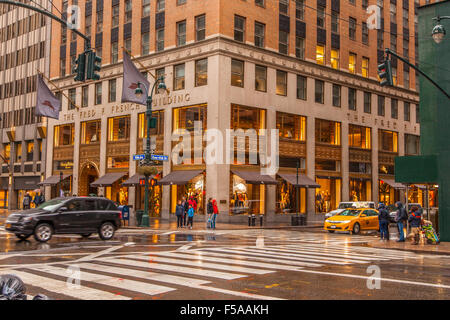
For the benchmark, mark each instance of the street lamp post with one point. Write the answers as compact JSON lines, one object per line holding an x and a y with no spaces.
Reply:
{"x":148,"y":151}
{"x":438,"y":32}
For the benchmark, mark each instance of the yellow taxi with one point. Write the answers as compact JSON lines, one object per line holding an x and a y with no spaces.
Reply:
{"x":353,"y":221}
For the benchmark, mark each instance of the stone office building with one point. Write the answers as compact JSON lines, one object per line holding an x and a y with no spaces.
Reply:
{"x":23,"y":51}
{"x":308,"y":70}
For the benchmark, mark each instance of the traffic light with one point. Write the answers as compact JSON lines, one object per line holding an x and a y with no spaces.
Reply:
{"x":385,"y":73}
{"x":93,"y":65}
{"x":80,"y":67}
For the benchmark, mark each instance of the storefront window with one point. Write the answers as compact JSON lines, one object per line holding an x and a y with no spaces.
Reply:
{"x":328,"y":132}
{"x":247,"y":118}
{"x":246,"y":198}
{"x":7,"y":151}
{"x":118,"y":162}
{"x":291,"y":126}
{"x":387,"y":194}
{"x":386,"y":169}
{"x":117,"y":192}
{"x":184,"y":118}
{"x":159,"y":130}
{"x":359,"y":137}
{"x":328,"y":195}
{"x":30,"y":150}
{"x":194,"y":190}
{"x":119,"y":128}
{"x":64,"y":135}
{"x":4,"y":199}
{"x":360,"y":190}
{"x":287,"y":199}
{"x":360,"y":167}
{"x":388,"y":141}
{"x":328,"y":165}
{"x":90,"y":132}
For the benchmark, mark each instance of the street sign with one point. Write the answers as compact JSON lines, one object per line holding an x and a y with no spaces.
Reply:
{"x":139,"y":157}
{"x":157,"y":157}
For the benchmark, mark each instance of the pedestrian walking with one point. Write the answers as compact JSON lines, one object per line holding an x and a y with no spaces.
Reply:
{"x":26,"y":201}
{"x":383,"y":218}
{"x":179,"y":212}
{"x":186,"y":208}
{"x":415,"y":221}
{"x":215,"y":213}
{"x":38,"y":199}
{"x":191,"y":216}
{"x":210,"y":212}
{"x":400,"y":218}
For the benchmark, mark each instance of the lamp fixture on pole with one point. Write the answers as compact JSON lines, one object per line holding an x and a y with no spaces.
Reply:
{"x":438,"y":32}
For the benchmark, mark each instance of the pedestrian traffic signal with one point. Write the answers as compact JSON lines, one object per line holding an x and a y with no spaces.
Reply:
{"x":93,"y":66}
{"x":80,"y":67}
{"x":385,"y":73}
{"x":153,"y":122}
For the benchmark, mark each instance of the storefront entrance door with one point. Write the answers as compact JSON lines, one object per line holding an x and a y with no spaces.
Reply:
{"x":88,"y":175}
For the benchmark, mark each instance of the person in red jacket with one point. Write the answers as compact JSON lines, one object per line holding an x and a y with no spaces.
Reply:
{"x":215,"y":213}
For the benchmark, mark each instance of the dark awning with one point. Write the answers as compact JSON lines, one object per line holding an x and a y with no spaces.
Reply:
{"x":179,"y":177}
{"x":394,"y":184}
{"x":303,"y":180}
{"x":26,"y":183}
{"x":254,"y":177}
{"x":4,"y":183}
{"x":51,"y":181}
{"x":108,"y":179}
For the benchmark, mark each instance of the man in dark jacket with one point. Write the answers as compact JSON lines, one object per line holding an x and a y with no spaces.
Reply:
{"x":383,"y":217}
{"x":185,"y":205}
{"x":415,"y":220}
{"x":400,"y":218}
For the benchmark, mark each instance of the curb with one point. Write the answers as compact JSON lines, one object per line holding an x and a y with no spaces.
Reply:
{"x":419,"y":251}
{"x":244,"y":228}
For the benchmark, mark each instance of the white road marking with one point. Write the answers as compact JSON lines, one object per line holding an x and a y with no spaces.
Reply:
{"x":199,"y":256}
{"x":178,"y":269}
{"x":382,"y":279}
{"x":141,"y":287}
{"x":202,"y":264}
{"x":61,"y":287}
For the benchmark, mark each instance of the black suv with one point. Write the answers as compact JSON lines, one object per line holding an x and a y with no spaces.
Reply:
{"x":79,"y":215}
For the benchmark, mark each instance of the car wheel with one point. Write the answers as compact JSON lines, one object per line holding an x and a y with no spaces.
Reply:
{"x":356,"y":228}
{"x":86,"y":235}
{"x":43,"y":232}
{"x":331,"y":231}
{"x":106,"y":231}
{"x":23,"y":236}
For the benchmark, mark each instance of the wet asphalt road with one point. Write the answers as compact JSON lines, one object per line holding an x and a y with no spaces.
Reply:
{"x":224,"y":265}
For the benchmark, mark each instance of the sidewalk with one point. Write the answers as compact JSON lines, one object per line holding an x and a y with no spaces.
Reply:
{"x":443,"y":248}
{"x":157,"y":224}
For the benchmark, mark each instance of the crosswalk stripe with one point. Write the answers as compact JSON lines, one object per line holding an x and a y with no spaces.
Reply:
{"x":146,"y":288}
{"x":323,"y":252}
{"x":182,"y":281}
{"x":354,"y":251}
{"x":271,"y":253}
{"x":202,"y":264}
{"x":201,"y":257}
{"x":178,"y":269}
{"x":246,"y":257}
{"x":61,"y":287}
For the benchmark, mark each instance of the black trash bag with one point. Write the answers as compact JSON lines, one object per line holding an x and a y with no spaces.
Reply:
{"x":41,"y":297}
{"x":12,"y":288}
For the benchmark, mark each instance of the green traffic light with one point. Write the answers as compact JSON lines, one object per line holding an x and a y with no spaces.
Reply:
{"x":93,"y":66}
{"x":80,"y":67}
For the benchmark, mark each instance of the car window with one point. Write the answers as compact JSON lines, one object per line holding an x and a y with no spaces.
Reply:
{"x":349,"y":212}
{"x":373,"y":213}
{"x":102,"y":205}
{"x":89,"y":205}
{"x":366,"y":212}
{"x":75,"y":205}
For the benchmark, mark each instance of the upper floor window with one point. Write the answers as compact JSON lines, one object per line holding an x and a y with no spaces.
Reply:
{"x":200,"y":31}
{"x":145,"y":8}
{"x":367,"y":102}
{"x":394,"y":108}
{"x":301,"y":87}
{"x":239,"y":28}
{"x":412,"y":144}
{"x":160,"y":5}
{"x":181,"y":33}
{"x":328,"y":132}
{"x":407,"y":111}
{"x":115,"y":16}
{"x":291,"y":126}
{"x":178,"y":82}
{"x":352,"y":28}
{"x":300,"y":9}
{"x":334,"y":21}
{"x":359,"y":137}
{"x":283,"y":42}
{"x":119,"y":128}
{"x":388,"y":140}
{"x":335,"y":58}
{"x":281,"y":88}
{"x":320,"y":54}
{"x":260,"y":3}
{"x":321,"y":17}
{"x":319,"y":91}
{"x":128,"y":11}
{"x":284,"y":7}
{"x":352,"y":62}
{"x":64,"y":135}
{"x":381,"y":101}
{"x":260,"y":78}
{"x":237,"y":73}
{"x":201,"y":72}
{"x":365,"y":33}
{"x":90,"y":132}
{"x":260,"y":30}
{"x":365,"y":67}
{"x":351,"y":98}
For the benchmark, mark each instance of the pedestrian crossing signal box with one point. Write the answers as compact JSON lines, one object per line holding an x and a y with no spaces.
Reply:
{"x":152,"y":182}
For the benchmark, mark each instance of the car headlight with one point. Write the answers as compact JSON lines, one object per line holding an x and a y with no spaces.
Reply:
{"x":25,"y":219}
